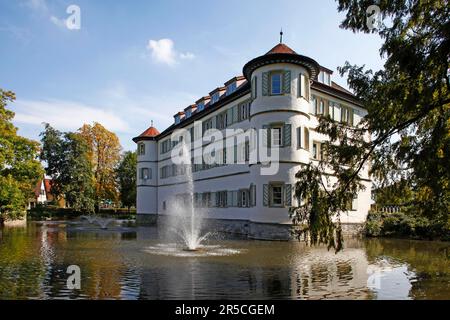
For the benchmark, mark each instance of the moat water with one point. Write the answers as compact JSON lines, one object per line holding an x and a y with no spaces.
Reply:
{"x":129,"y":262}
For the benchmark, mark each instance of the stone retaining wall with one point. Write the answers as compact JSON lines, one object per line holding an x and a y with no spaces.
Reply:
{"x":249,"y":229}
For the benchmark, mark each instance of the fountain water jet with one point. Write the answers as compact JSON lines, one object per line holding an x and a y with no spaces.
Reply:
{"x":104,"y":222}
{"x":185,"y":220}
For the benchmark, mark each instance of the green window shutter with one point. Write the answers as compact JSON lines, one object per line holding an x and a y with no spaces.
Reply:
{"x":287,"y":134}
{"x":266,"y":136}
{"x":229,"y":198}
{"x":235,"y":114}
{"x":351,"y":117}
{"x":266,"y":195}
{"x":265,"y":84}
{"x":254,"y":88}
{"x":217,"y":198}
{"x":229,"y":116}
{"x":253,"y":195}
{"x":235,"y":153}
{"x":239,"y":200}
{"x":299,"y":137}
{"x":235,"y":198}
{"x":287,"y":82}
{"x":288,"y":195}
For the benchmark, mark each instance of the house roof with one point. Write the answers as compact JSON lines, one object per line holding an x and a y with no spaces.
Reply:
{"x":47,"y":188}
{"x":281,"y":48}
{"x":281,"y":53}
{"x":149,"y":134}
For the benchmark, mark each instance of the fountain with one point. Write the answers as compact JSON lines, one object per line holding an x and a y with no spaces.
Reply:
{"x":102,"y":222}
{"x":90,"y":218}
{"x":185,"y":221}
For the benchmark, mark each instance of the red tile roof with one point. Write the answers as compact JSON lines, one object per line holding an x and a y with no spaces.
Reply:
{"x":281,"y":48}
{"x":150,"y":132}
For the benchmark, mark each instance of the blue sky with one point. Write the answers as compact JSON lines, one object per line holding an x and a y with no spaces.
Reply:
{"x":136,"y":61}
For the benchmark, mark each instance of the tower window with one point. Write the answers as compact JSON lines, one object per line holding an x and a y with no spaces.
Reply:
{"x":276,"y":195}
{"x":277,"y":136}
{"x":145,"y":174}
{"x":275,"y":83}
{"x":141,"y":149}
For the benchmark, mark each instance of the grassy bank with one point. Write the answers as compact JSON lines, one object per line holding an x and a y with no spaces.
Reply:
{"x":56,"y":213}
{"x":405,"y":225}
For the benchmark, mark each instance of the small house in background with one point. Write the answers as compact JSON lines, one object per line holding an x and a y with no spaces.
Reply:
{"x":43,"y":194}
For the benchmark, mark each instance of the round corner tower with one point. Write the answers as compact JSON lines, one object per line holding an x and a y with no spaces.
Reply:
{"x":280,"y":90}
{"x":147,"y":176}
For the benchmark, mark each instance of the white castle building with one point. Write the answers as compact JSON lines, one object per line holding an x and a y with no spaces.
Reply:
{"x":281,"y":93}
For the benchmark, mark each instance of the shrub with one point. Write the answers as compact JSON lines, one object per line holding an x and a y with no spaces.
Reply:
{"x":405,"y":225}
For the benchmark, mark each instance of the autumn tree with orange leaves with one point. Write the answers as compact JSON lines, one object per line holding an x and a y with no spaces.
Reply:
{"x":104,"y":154}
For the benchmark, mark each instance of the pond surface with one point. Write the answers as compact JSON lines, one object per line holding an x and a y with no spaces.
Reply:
{"x":128,"y":262}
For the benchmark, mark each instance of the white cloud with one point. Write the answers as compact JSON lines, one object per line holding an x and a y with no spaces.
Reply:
{"x":65,"y":115}
{"x":187,"y":56}
{"x":41,"y":8}
{"x":163,"y":51}
{"x":37,"y":5}
{"x":58,"y":22}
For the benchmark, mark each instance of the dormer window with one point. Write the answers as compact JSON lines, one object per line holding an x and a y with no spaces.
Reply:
{"x":200,"y":106}
{"x":328,"y":79}
{"x":215,"y":97}
{"x":177,"y":119}
{"x":324,"y":77}
{"x":276,"y":83}
{"x":188,"y":113}
{"x":231,"y":88}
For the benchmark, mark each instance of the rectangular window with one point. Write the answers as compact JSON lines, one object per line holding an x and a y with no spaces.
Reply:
{"x":306,"y":144}
{"x":303,"y":86}
{"x":276,"y":83}
{"x":247,"y":150}
{"x":317,"y":152}
{"x":141,"y":149}
{"x":244,"y":111}
{"x":328,"y":79}
{"x":200,"y":106}
{"x":221,"y":199}
{"x":145,"y":174}
{"x":347,"y":115}
{"x":276,"y":133}
{"x":215,"y":97}
{"x":276,"y":195}
{"x":299,"y":137}
{"x":231,"y":88}
{"x":244,"y":198}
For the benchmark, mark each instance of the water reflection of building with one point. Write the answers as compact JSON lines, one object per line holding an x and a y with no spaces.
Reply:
{"x":323,"y":274}
{"x":297,"y":273}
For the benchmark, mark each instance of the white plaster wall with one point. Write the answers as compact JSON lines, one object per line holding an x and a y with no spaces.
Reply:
{"x":291,"y":109}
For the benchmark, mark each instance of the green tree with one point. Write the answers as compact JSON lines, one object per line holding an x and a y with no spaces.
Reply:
{"x":126,"y":179}
{"x":408,"y":104}
{"x":68,"y":163}
{"x":20,"y":168}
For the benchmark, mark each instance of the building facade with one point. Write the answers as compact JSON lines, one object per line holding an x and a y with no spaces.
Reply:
{"x":280,"y":95}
